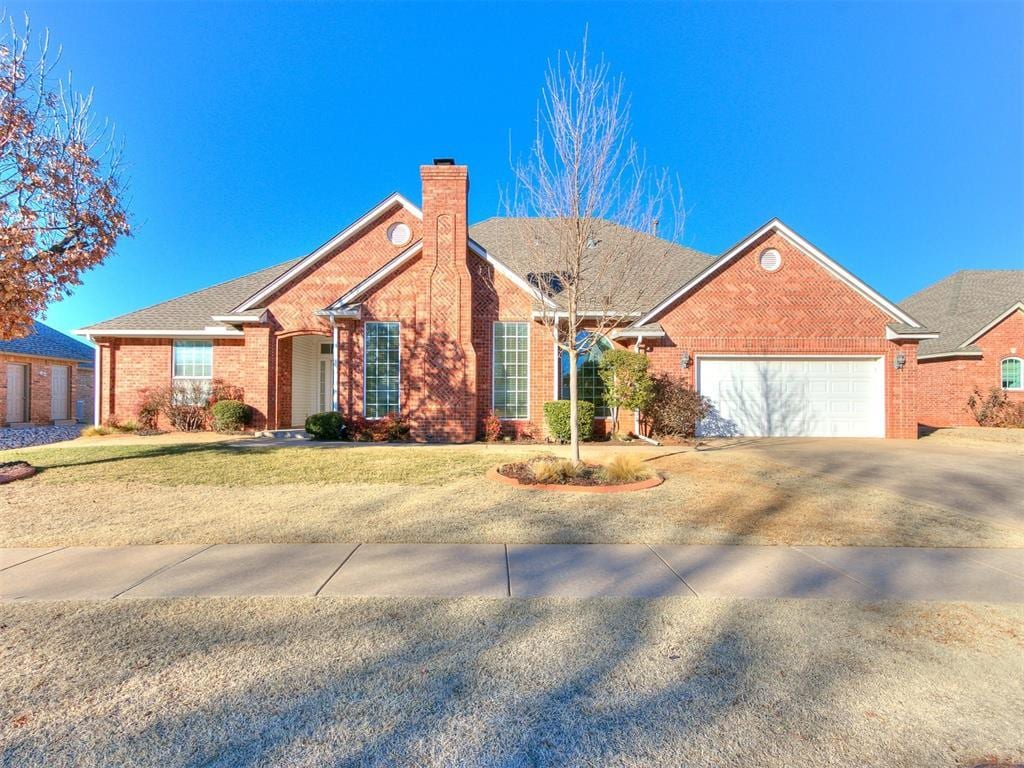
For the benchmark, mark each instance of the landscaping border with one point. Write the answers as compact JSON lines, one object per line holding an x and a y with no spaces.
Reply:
{"x":17,"y":472}
{"x":641,"y":485}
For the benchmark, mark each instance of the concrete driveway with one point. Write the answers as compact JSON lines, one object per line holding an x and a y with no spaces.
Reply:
{"x":981,"y":482}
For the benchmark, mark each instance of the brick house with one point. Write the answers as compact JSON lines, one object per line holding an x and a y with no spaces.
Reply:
{"x":979,"y":315}
{"x":46,"y":377}
{"x":414,"y":312}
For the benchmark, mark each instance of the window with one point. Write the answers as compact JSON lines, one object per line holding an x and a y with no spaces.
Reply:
{"x":511,"y":367}
{"x":382,"y":367}
{"x":193,"y":359}
{"x":193,"y":370}
{"x":1010,"y":373}
{"x":589,"y":385}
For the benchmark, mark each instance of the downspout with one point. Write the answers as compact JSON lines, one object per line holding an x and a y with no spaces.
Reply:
{"x":96,"y":381}
{"x":636,"y":413}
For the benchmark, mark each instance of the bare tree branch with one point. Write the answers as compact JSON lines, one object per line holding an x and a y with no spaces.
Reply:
{"x":596,"y":223}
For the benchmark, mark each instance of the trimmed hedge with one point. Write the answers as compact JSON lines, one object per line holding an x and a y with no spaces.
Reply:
{"x":329,"y":425}
{"x":556,"y":415}
{"x":229,"y":415}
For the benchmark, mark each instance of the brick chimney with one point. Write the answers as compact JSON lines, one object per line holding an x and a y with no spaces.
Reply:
{"x":446,"y":360}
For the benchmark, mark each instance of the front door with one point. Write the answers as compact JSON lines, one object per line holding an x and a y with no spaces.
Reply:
{"x":60,"y":392}
{"x":17,"y":393}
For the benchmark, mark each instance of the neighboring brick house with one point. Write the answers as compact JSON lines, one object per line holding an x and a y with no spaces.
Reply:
{"x":46,"y":378}
{"x":414,"y":312}
{"x":979,"y":315}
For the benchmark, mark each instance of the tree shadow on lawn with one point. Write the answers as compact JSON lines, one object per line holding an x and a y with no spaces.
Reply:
{"x":383,"y":682}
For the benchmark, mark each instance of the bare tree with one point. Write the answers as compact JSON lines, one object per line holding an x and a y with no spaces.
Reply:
{"x":60,"y":182}
{"x":587,"y":207}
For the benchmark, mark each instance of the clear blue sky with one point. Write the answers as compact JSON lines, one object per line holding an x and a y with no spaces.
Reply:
{"x":891,"y":136}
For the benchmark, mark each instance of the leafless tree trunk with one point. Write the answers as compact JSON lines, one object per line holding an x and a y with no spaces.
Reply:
{"x":588,"y":210}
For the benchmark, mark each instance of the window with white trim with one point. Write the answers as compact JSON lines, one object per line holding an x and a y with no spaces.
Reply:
{"x":511,"y":370}
{"x":1010,"y":373}
{"x":381,"y":368}
{"x":192,"y":368}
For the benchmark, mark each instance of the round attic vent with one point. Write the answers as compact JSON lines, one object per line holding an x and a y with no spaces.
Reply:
{"x":399,"y":234}
{"x":770,"y":260}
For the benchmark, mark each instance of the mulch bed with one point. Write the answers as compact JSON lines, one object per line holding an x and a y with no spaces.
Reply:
{"x":520,"y":474}
{"x":15,"y":470}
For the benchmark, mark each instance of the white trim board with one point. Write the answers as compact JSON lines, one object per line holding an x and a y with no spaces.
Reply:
{"x":1018,"y":306}
{"x":358,"y":225}
{"x":158,"y":333}
{"x":816,"y":255}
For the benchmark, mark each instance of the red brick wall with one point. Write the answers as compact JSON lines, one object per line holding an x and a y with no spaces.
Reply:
{"x":798,"y":309}
{"x":131,"y":365}
{"x":496,"y":298}
{"x":39,"y":402}
{"x":945,"y":385}
{"x":292,"y":307}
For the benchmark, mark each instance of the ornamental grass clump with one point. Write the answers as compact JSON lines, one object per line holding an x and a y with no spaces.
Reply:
{"x":556,"y":472}
{"x":624,"y":468}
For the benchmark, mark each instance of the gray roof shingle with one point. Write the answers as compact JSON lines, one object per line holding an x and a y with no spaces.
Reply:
{"x":960,"y":305}
{"x":45,"y":341}
{"x":193,"y":311}
{"x":672,"y":265}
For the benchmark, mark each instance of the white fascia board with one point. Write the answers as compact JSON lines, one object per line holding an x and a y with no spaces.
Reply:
{"x":499,"y":266}
{"x":562,"y":314}
{"x":635,"y":333}
{"x":392,"y":266}
{"x":891,"y":335}
{"x":776,"y":225}
{"x":239,"y":318}
{"x":361,"y":223}
{"x":955,"y":353}
{"x":1019,"y":306}
{"x":209,"y":332}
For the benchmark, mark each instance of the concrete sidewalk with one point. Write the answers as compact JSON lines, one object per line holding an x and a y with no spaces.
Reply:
{"x":513,"y":570}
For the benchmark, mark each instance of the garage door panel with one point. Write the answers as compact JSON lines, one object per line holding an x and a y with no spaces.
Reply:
{"x":790,"y":397}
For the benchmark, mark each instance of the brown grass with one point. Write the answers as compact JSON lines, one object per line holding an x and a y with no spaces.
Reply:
{"x":309,"y":682}
{"x":215,"y":494}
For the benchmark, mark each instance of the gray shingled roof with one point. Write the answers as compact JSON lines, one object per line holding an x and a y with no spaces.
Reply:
{"x":194,"y":311}
{"x":962,"y":304}
{"x":45,"y":341}
{"x":508,"y":240}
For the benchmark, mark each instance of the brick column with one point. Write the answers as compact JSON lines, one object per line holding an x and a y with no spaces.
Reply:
{"x":257,"y":379}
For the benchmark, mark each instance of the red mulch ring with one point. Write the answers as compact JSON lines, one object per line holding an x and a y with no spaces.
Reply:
{"x":15,"y":470}
{"x":520,"y":475}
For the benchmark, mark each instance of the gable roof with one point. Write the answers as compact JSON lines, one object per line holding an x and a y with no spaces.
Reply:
{"x":964,"y":305}
{"x":194,"y":312}
{"x":306,"y":263}
{"x":45,"y":341}
{"x":808,"y":249}
{"x":505,"y":237}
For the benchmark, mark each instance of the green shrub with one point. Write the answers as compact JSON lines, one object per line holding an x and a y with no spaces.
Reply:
{"x":556,"y":415}
{"x":229,"y":415}
{"x":329,"y":425}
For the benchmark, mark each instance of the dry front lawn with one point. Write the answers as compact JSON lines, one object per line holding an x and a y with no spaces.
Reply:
{"x":313,"y":682}
{"x":213,"y":493}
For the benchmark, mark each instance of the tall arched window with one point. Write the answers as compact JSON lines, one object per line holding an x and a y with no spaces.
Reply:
{"x":1010,"y":373}
{"x":589,"y":385}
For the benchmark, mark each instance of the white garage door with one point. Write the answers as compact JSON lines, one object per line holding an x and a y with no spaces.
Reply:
{"x":792,"y":397}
